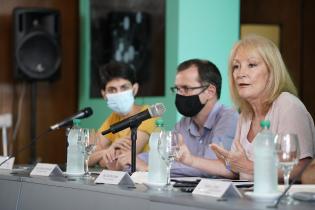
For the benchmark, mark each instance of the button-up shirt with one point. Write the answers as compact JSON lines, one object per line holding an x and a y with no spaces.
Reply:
{"x":219,"y":128}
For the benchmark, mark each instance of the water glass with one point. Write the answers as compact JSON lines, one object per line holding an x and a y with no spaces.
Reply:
{"x":168,"y":149}
{"x":287,"y":148}
{"x":90,"y":142}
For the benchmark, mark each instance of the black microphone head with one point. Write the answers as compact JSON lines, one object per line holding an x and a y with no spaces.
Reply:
{"x":87,"y":111}
{"x":157,"y":110}
{"x":84,"y":113}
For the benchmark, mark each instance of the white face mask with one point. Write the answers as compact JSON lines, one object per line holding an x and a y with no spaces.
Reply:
{"x":120,"y":102}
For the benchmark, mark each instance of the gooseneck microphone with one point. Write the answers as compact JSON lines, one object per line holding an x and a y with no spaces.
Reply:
{"x":133,"y":122}
{"x":155,"y":110}
{"x":84,"y":113}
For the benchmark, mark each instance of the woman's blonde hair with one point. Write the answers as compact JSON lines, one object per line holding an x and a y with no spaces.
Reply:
{"x":279,"y":79}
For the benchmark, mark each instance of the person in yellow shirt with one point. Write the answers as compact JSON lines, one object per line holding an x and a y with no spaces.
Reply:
{"x":119,"y":87}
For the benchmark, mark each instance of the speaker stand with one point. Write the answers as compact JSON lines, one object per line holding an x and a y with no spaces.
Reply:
{"x":33,"y":121}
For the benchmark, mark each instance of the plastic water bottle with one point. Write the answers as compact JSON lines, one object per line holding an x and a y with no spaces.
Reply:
{"x":265,"y":166}
{"x":157,"y":174}
{"x":75,"y":150}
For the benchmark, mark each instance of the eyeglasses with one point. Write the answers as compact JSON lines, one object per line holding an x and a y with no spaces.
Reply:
{"x":187,"y":90}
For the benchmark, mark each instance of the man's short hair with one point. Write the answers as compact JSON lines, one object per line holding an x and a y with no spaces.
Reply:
{"x":208,"y":72}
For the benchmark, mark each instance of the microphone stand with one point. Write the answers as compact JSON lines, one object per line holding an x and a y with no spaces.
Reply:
{"x":133,"y":127}
{"x":34,"y":140}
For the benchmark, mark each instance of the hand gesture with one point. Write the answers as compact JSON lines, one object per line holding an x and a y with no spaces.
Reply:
{"x":236,"y":160}
{"x":124,"y":160}
{"x":184,"y":156}
{"x":123,"y":144}
{"x":219,"y":151}
{"x":109,"y":155}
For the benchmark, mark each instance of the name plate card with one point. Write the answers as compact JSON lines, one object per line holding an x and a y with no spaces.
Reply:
{"x":46,"y":169}
{"x":216,"y":188}
{"x":8,"y":164}
{"x":114,"y":177}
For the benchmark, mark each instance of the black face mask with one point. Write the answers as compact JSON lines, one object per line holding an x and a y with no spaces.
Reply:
{"x":188,"y":106}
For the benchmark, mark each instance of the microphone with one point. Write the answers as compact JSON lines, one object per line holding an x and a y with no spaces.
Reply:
{"x":155,"y":110}
{"x":84,"y":113}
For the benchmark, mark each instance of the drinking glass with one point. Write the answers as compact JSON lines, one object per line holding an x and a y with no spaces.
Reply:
{"x":90,"y":142}
{"x":168,"y":149}
{"x":287,"y":148}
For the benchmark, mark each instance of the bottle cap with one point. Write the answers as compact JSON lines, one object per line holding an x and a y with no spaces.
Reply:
{"x":159,"y":122}
{"x":265,"y":123}
{"x":76,"y":121}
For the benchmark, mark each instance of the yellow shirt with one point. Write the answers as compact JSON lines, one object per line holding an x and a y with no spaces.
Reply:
{"x":146,"y":126}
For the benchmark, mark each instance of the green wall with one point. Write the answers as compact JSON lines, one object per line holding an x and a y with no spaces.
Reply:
{"x":194,"y":29}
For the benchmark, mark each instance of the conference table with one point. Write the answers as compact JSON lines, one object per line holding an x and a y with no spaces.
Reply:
{"x":19,"y":191}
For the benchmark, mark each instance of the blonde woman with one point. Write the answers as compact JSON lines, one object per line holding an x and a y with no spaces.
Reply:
{"x":261,"y":88}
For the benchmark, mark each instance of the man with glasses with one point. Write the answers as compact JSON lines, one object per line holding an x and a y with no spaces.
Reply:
{"x":118,"y":88}
{"x":205,"y":120}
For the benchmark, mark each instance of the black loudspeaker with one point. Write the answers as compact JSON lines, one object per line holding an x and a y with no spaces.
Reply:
{"x":36,"y":44}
